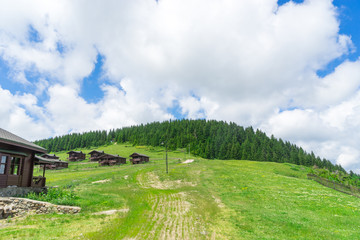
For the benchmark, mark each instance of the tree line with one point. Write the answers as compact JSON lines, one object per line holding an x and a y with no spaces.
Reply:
{"x":209,"y":139}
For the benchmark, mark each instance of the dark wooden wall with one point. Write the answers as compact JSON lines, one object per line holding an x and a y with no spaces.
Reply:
{"x":26,"y":167}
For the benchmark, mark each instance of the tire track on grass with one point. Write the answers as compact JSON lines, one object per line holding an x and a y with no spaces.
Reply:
{"x":171,"y":215}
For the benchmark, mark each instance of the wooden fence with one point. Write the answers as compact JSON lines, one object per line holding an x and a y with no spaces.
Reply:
{"x":352,"y":190}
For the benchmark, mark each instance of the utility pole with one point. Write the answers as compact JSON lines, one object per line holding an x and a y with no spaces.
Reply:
{"x":167,"y":166}
{"x":166,"y":156}
{"x":189,"y":152}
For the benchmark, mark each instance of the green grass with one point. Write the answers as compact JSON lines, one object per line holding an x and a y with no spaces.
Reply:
{"x":206,"y":199}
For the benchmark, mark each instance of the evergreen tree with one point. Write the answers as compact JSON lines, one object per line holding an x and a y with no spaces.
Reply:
{"x":208,"y":138}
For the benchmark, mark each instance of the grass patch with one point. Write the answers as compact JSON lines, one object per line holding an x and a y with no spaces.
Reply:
{"x":200,"y":200}
{"x":59,"y":196}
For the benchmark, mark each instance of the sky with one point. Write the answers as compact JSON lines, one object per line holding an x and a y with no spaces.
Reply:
{"x":288,"y":68}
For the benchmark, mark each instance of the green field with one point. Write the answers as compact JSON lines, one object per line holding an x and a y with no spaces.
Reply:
{"x":205,"y":199}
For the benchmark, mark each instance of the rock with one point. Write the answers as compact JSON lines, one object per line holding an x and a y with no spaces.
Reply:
{"x":18,"y":207}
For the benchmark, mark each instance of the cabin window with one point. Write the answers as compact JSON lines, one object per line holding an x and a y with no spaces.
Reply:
{"x":15,"y":166}
{"x":2,"y":164}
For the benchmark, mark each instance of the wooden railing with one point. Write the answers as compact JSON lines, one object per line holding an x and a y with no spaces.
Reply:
{"x":38,"y":181}
{"x":348,"y":189}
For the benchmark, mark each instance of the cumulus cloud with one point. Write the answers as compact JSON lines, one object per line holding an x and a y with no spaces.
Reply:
{"x":18,"y":114}
{"x":121,"y":106}
{"x":251,"y":62}
{"x":335,"y":87}
{"x":330,"y":132}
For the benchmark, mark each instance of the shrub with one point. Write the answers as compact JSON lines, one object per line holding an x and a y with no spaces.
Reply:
{"x":58,"y":196}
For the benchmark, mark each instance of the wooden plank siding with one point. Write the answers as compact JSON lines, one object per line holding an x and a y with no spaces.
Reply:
{"x":19,"y":155}
{"x":137,"y":158}
{"x":76,"y":156}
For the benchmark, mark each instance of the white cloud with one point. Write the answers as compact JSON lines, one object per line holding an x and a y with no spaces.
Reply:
{"x":330,"y":132}
{"x":349,"y":157}
{"x":195,"y":108}
{"x":41,"y":85}
{"x":230,"y":60}
{"x":69,"y":112}
{"x":127,"y":107}
{"x":300,"y":125}
{"x":18,"y":113}
{"x":336,"y":87}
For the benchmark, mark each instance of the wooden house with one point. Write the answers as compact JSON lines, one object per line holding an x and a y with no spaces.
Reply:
{"x":56,"y":163}
{"x":110,"y":160}
{"x":50,"y":156}
{"x":137,"y":158}
{"x":17,"y":159}
{"x":76,"y":156}
{"x":94,"y":155}
{"x":61,"y":164}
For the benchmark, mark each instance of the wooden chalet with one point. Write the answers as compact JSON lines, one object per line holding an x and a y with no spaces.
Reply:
{"x":17,"y":159}
{"x":56,"y":163}
{"x":76,"y":156}
{"x":94,"y":155}
{"x":50,"y":156}
{"x":110,"y":160}
{"x":137,"y":158}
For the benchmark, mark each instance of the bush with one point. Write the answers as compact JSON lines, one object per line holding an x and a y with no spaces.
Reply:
{"x":58,"y":196}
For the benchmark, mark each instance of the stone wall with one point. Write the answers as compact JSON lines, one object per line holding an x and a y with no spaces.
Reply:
{"x":13,"y":191}
{"x":13,"y":207}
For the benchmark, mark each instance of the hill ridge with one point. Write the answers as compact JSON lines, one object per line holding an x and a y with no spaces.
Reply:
{"x":209,"y":139}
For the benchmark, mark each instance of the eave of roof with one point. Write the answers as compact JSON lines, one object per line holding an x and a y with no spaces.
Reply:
{"x":39,"y":159}
{"x":74,"y":152}
{"x":50,"y":155}
{"x":111,"y":155}
{"x":138,"y":154}
{"x":95,"y":151}
{"x":12,"y":139}
{"x":13,"y":152}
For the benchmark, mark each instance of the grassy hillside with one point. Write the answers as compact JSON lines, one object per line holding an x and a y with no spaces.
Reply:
{"x":205,"y":199}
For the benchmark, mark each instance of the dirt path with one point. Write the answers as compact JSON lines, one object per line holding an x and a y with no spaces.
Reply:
{"x":151,"y":180}
{"x":171,"y":215}
{"x":172,"y":218}
{"x":188,"y":161}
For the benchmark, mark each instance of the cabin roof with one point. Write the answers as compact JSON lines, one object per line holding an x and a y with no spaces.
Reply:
{"x":10,"y":138}
{"x":138,"y":154}
{"x":111,"y":155}
{"x":96,"y":151}
{"x":74,"y":152}
{"x":50,"y":155}
{"x":42,"y":160}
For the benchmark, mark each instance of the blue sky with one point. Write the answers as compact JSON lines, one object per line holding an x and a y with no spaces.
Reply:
{"x":349,"y":17}
{"x":91,"y":85}
{"x":294,"y":72}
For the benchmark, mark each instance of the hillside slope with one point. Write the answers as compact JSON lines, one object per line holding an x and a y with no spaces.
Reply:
{"x":204,"y":199}
{"x":205,"y":138}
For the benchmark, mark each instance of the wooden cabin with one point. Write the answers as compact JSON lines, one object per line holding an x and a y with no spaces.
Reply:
{"x":137,"y":158}
{"x":56,"y":163}
{"x":76,"y":156}
{"x":110,"y":160}
{"x":50,"y":156}
{"x":17,"y":159}
{"x":94,"y":155}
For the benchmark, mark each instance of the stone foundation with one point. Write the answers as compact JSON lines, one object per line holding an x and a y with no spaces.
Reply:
{"x":14,"y":207}
{"x":13,"y":191}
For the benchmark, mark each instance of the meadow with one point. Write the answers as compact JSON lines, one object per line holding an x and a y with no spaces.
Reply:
{"x":203,"y":199}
